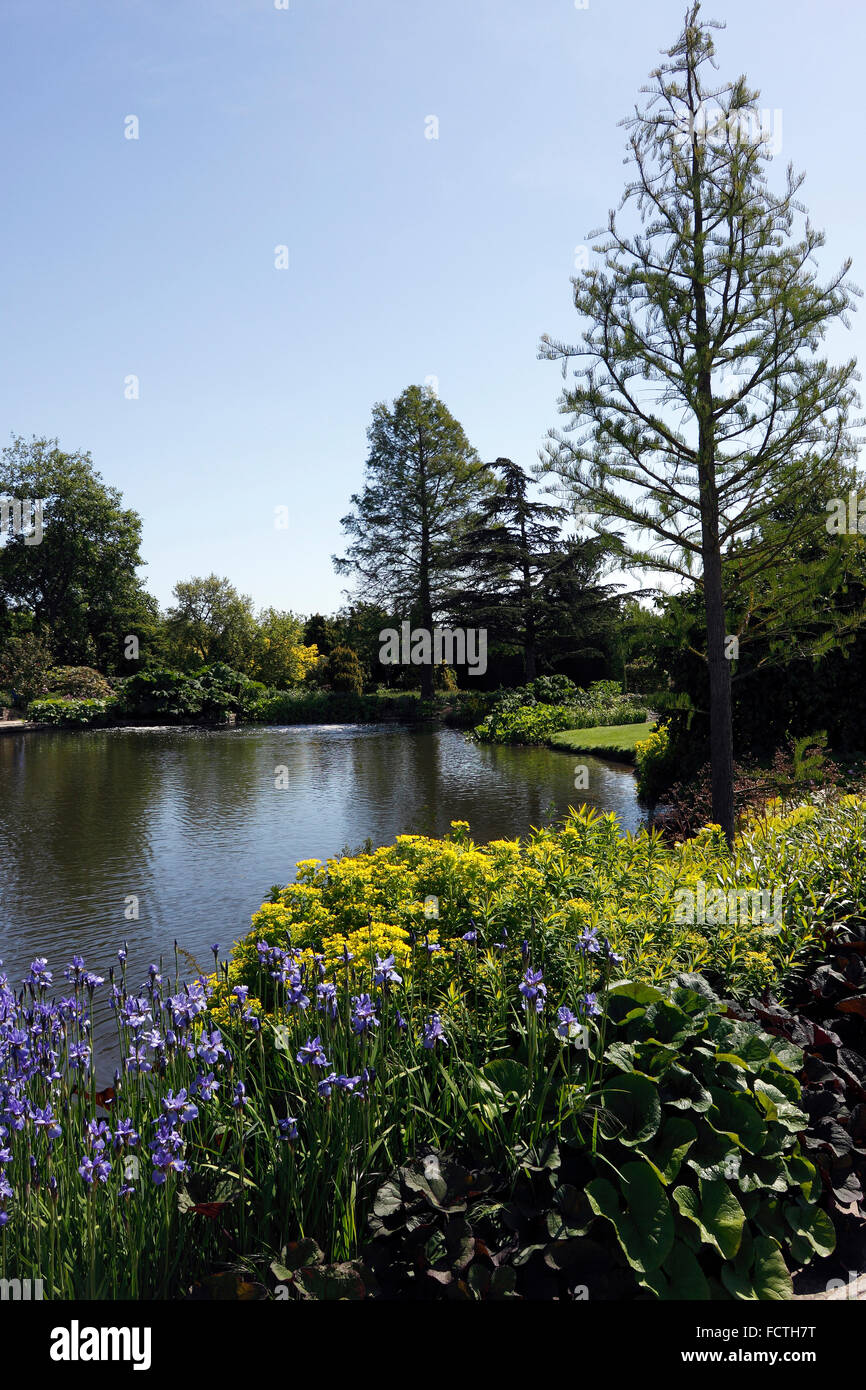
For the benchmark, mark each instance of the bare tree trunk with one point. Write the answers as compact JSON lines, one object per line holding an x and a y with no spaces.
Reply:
{"x":721,"y":725}
{"x":424,"y":600}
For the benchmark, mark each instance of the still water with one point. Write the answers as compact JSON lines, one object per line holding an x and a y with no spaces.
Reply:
{"x":192,"y":824}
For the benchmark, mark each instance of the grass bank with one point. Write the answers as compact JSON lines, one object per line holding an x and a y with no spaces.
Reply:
{"x":617,"y":742}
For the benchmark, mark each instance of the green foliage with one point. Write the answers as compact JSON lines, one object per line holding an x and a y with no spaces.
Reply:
{"x":677,"y":1171}
{"x":466,"y":708}
{"x":78,"y":682}
{"x":210,"y":622}
{"x":281,"y":658}
{"x":71,"y":712}
{"x":551,"y":690}
{"x":210,"y":693}
{"x":25,"y":663}
{"x":526,"y":724}
{"x":701,"y":1178}
{"x":511,"y":720}
{"x":343,"y":671}
{"x":80,"y":583}
{"x":420,"y":465}
{"x":655,"y":761}
{"x":307,"y":706}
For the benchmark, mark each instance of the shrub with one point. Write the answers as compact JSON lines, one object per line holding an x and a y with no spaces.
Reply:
{"x":161,"y":691}
{"x":60,"y":711}
{"x":526,"y":724}
{"x":468,"y":708}
{"x":701,"y":1177}
{"x":678,"y":1172}
{"x":24,"y":665}
{"x":210,"y":693}
{"x":579,"y":879}
{"x":78,"y":682}
{"x":334,"y":706}
{"x":804,"y":769}
{"x":826,"y":1017}
{"x":343,"y":671}
{"x":653,"y":760}
{"x":552,"y":690}
{"x":507,"y":723}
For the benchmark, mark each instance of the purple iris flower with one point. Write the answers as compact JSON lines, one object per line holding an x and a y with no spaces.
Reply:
{"x":363,"y":1014}
{"x":327,"y":996}
{"x":288,"y":1128}
{"x":567,"y":1023}
{"x":94,"y":1170}
{"x":124,"y":1134}
{"x":98,"y":1135}
{"x":589,"y":1006}
{"x":313,"y":1054}
{"x":206,"y":1086}
{"x":210,"y":1047}
{"x":533,"y":989}
{"x":44,"y":1120}
{"x":588,"y":943}
{"x":75,"y":970}
{"x":384,"y":972}
{"x":40,"y":976}
{"x":434,"y":1032}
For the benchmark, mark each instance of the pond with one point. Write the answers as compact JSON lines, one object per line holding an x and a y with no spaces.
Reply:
{"x":191,"y":827}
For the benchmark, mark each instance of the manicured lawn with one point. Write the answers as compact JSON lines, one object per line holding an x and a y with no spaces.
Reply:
{"x":616,"y":742}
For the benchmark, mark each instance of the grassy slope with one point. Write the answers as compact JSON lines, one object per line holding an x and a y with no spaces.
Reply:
{"x":616,"y":742}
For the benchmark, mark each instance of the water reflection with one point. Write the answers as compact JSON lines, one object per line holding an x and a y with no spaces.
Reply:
{"x":193,"y":824}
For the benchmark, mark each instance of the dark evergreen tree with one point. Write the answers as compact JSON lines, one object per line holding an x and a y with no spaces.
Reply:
{"x":536,"y":592}
{"x":422,"y":488}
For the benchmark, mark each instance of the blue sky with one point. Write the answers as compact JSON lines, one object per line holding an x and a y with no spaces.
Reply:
{"x":408,"y":257}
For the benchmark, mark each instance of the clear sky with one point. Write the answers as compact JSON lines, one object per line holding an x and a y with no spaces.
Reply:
{"x":408,"y":257}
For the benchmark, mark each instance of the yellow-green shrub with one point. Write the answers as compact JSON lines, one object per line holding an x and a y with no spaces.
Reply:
{"x":578,"y":877}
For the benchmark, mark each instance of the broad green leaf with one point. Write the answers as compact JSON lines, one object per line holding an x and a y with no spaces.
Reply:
{"x":770,"y":1276}
{"x":812,"y":1225}
{"x":632,"y":1111}
{"x":508,"y":1076}
{"x":672,"y":1143}
{"x":716,"y":1212}
{"x":645,"y":1229}
{"x":739,"y":1116}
